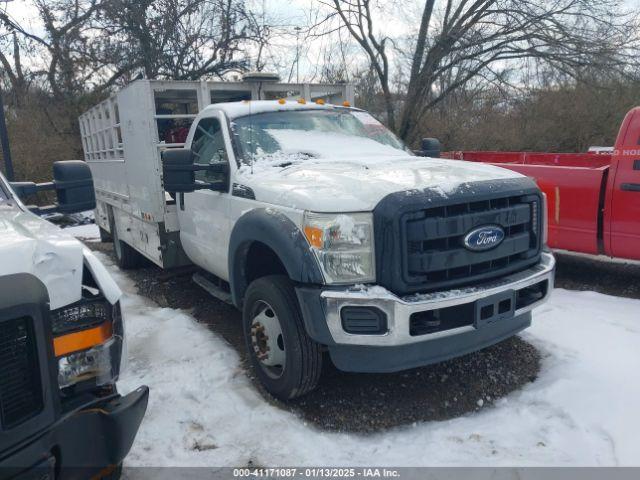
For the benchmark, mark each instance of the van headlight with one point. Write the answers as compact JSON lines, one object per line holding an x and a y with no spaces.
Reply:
{"x":88,"y":342}
{"x":343,"y":245}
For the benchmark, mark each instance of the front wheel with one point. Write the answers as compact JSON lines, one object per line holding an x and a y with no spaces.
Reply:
{"x":285,"y":359}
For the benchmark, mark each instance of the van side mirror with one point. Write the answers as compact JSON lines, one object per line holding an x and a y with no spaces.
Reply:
{"x":430,"y":147}
{"x":179,"y":172}
{"x":73,"y":184}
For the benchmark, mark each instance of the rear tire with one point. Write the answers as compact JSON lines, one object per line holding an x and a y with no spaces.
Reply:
{"x":104,"y":235}
{"x":127,"y":257}
{"x":286,"y":360}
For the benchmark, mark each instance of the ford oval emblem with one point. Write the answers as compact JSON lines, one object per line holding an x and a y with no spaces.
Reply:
{"x":484,"y":238}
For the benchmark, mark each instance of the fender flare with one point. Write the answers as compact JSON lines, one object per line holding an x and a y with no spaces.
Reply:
{"x":280,"y":234}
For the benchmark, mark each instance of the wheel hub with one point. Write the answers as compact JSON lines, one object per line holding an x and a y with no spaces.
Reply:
{"x":260,"y":345}
{"x":267,"y":341}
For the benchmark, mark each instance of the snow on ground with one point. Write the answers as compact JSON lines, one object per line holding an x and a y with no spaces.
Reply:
{"x":582,"y":410}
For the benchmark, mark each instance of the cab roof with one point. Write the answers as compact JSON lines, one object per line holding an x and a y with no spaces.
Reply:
{"x":251,"y":107}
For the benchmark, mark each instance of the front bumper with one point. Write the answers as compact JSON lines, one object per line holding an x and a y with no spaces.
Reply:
{"x":86,"y":443}
{"x":398,"y":349}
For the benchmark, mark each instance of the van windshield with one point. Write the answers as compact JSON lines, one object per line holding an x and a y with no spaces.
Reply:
{"x":285,"y":137}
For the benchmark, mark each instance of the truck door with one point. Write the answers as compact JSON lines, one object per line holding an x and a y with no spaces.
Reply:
{"x":624,"y":214}
{"x":204,"y":217}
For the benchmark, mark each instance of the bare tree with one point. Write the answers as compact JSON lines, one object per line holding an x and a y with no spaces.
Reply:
{"x":90,"y":45}
{"x":465,"y":39}
{"x":72,"y":50}
{"x":12,"y":68}
{"x":357,"y":17}
{"x":184,"y":39}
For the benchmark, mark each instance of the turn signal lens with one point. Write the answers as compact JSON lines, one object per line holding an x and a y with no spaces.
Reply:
{"x":314,"y":236}
{"x":73,"y":342}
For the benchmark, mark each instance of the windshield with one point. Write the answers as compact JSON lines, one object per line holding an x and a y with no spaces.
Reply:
{"x":285,"y":137}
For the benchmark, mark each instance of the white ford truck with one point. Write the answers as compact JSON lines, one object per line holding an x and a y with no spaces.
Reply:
{"x":61,"y":343}
{"x":330,"y":235}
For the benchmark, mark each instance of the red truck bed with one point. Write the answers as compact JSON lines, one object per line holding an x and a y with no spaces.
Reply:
{"x":573,"y":184}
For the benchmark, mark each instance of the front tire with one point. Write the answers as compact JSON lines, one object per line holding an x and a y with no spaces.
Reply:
{"x":284,"y":358}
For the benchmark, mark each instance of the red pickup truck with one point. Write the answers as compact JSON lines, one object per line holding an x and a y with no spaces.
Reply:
{"x":593,"y":198}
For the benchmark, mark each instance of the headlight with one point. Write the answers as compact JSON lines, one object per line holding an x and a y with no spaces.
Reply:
{"x":88,"y":341}
{"x":97,"y":363}
{"x":343,"y":244}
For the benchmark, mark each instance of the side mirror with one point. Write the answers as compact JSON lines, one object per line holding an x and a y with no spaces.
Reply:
{"x":430,"y":147}
{"x":179,"y":172}
{"x":73,"y":184}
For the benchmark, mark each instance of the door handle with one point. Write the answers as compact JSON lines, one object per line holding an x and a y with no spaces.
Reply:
{"x":630,"y":187}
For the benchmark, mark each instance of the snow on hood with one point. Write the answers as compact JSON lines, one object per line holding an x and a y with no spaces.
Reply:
{"x":357,"y":183}
{"x":29,"y":244}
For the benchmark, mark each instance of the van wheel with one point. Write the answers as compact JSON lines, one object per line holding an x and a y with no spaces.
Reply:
{"x":285,"y":359}
{"x":126,"y":256}
{"x":104,"y":235}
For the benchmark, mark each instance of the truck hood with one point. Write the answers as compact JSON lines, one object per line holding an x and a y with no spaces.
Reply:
{"x":358,"y":184}
{"x":29,"y":244}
